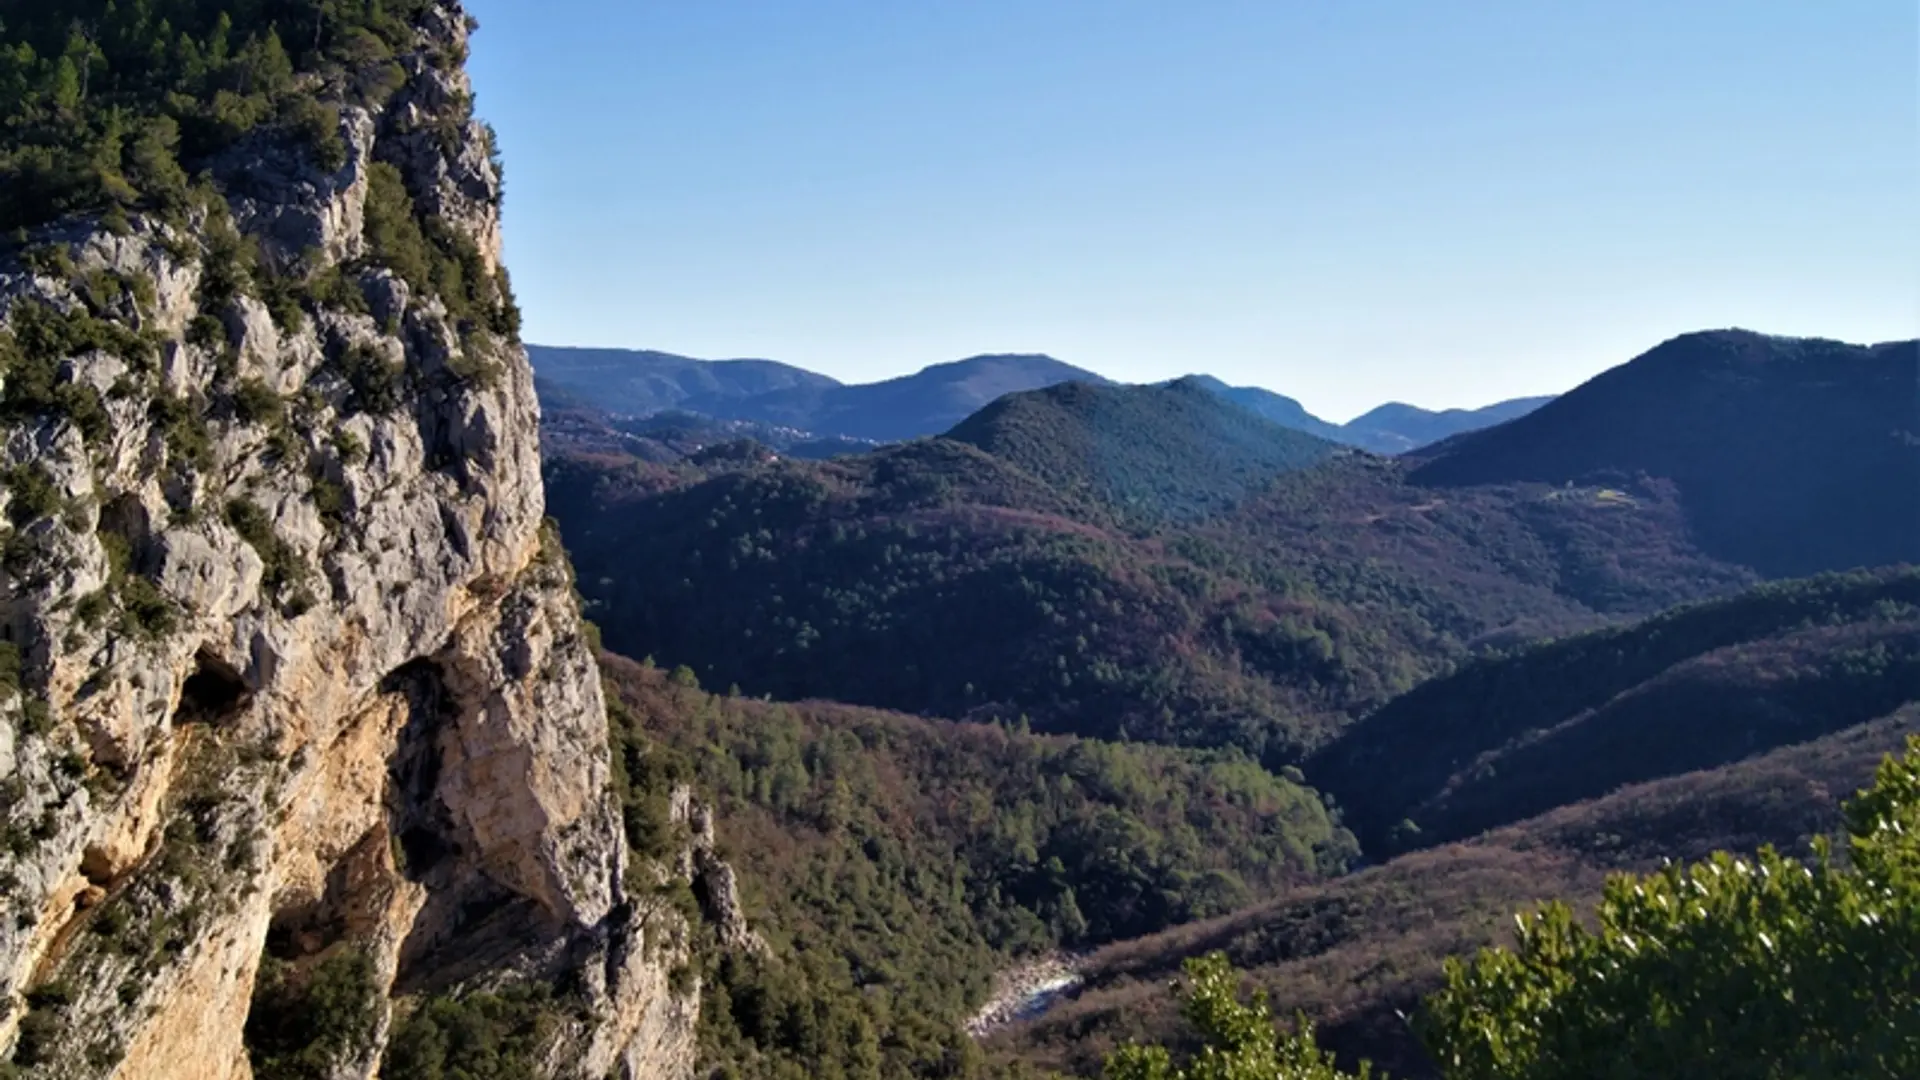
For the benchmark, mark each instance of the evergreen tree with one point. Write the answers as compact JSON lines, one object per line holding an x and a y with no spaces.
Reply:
{"x":1240,"y":1042}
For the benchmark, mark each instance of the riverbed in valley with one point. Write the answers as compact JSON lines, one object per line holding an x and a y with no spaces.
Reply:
{"x":1026,"y":991}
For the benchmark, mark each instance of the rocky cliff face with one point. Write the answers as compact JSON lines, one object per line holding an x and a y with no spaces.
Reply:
{"x":300,"y":675}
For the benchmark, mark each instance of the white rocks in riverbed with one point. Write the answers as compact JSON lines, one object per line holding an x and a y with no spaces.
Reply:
{"x":1024,"y":992}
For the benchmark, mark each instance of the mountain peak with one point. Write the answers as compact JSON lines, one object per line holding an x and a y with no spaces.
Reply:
{"x":1176,"y":450}
{"x":1037,"y":359}
{"x":1398,"y":428}
{"x":1001,"y":372}
{"x":1206,"y":384}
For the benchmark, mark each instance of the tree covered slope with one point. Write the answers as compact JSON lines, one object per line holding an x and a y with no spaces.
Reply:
{"x":938,"y":578}
{"x":1156,"y":565}
{"x":1152,"y":453}
{"x":1510,"y":737}
{"x":891,"y":864}
{"x":1791,"y":455}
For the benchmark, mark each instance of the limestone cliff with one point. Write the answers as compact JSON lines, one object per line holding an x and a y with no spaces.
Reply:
{"x":300,"y":673}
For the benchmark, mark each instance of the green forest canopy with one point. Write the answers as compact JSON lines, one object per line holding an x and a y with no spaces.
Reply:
{"x":109,"y":105}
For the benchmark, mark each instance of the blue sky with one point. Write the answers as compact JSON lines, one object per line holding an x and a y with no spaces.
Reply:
{"x":1347,"y":202}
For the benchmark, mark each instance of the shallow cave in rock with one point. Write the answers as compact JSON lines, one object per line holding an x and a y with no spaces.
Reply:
{"x":125,"y":518}
{"x":214,"y":694}
{"x":414,"y":815}
{"x":348,"y":908}
{"x":304,"y":930}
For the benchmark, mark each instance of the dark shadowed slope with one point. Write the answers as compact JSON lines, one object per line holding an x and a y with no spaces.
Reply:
{"x":929,"y":576}
{"x":1791,"y":455}
{"x":935,"y":577}
{"x":1173,"y":452}
{"x":1396,"y":428}
{"x":640,"y":382}
{"x":1506,"y":738}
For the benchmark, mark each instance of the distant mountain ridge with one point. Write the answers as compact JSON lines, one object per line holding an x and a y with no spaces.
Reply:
{"x":1278,"y":408}
{"x":1396,"y":428}
{"x":928,"y":402}
{"x":1393,"y":428}
{"x":642,"y":383}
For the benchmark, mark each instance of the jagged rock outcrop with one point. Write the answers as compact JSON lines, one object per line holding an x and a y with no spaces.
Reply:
{"x":300,"y":672}
{"x":715,"y":885}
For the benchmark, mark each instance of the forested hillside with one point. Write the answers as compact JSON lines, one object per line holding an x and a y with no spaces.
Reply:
{"x":1458,"y":665}
{"x":1721,"y":726}
{"x":1149,"y":453}
{"x":1150,"y":562}
{"x":1791,"y":455}
{"x":936,"y":578}
{"x":1509,"y":737}
{"x":931,"y":577}
{"x":894,"y":864}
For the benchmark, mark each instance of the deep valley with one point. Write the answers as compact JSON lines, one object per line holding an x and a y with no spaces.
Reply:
{"x":382,"y":696}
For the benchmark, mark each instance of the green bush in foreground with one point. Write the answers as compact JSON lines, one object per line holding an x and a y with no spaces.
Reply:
{"x":1729,"y":967}
{"x":1241,"y":1043}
